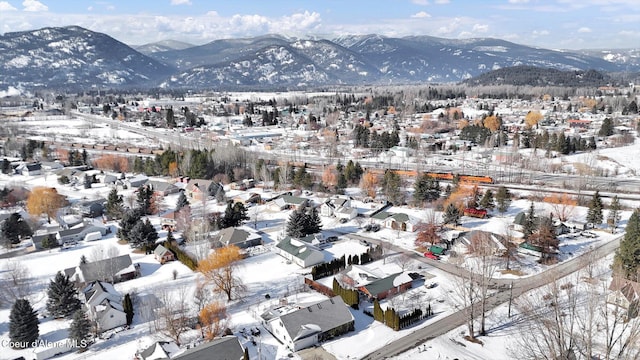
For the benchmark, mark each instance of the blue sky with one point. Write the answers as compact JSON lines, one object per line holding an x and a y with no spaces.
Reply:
{"x":555,"y":24}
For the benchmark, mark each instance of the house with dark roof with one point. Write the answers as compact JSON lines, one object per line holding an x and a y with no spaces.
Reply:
{"x":242,"y":237}
{"x":29,"y":169}
{"x":302,"y":327}
{"x":90,"y":208}
{"x":224,"y":348}
{"x":378,"y":280}
{"x":115,"y":269}
{"x":162,"y":188}
{"x":299,"y":252}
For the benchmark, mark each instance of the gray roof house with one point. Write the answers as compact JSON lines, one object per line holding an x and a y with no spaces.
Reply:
{"x":78,"y":233}
{"x":300,"y":328}
{"x":116,"y":269}
{"x":90,"y":208}
{"x":104,"y":305}
{"x":136,"y":181}
{"x":158,"y":351}
{"x":242,"y":237}
{"x":301,"y":253}
{"x":224,"y":348}
{"x":162,"y":187}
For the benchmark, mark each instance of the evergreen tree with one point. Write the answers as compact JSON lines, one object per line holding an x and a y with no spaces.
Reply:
{"x":426,"y":189}
{"x":313,"y":223}
{"x":378,"y":313}
{"x":613,"y":218}
{"x":529,"y":225}
{"x":62,"y":297}
{"x":503,"y":199}
{"x":127,"y":306}
{"x":487,"y":201}
{"x":627,"y":258}
{"x":23,"y":324}
{"x":295,"y":225}
{"x":13,"y":229}
{"x":607,"y":128}
{"x":143,"y":235}
{"x":80,"y":329}
{"x":83,"y":259}
{"x":145,"y":193}
{"x":594,"y":214}
{"x":392,"y":187}
{"x":182,"y":201}
{"x":170,"y":239}
{"x":114,"y":207}
{"x":129,"y":219}
{"x":451,"y":215}
{"x":234,"y":215}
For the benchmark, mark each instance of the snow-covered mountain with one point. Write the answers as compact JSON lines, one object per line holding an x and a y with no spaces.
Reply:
{"x":76,"y":57}
{"x":162,"y":46}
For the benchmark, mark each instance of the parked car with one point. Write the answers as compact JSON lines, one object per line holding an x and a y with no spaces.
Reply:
{"x":375,"y":227}
{"x":332,"y":239}
{"x":431,"y":255}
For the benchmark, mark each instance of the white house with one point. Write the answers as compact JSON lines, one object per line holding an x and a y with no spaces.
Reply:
{"x":104,"y":305}
{"x":301,"y":253}
{"x":300,"y":328}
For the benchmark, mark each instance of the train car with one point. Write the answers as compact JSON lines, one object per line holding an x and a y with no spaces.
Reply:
{"x":476,"y":179}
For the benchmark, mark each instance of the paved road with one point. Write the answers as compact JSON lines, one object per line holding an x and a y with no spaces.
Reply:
{"x":520,"y":286}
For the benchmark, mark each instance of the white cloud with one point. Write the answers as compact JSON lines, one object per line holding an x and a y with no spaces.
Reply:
{"x":420,"y":15}
{"x":420,"y":2}
{"x":5,"y":6}
{"x":540,"y":32}
{"x":584,"y":29}
{"x":34,"y":6}
{"x":518,"y":1}
{"x":442,"y":2}
{"x":90,"y":8}
{"x":480,"y":28}
{"x":180,"y":2}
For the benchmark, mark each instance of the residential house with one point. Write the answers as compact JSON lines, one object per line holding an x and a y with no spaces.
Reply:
{"x":338,"y":206}
{"x":378,"y":281}
{"x":78,"y":233}
{"x":109,"y":179}
{"x":104,"y":305}
{"x":168,"y":221}
{"x":90,"y":208}
{"x":163,"y":255}
{"x":495,"y":242}
{"x":159,"y":350}
{"x":162,"y":188}
{"x":198,"y":189}
{"x":299,"y":252}
{"x":625,"y":294}
{"x":51,"y":165}
{"x":29,"y":169}
{"x":286,"y":201}
{"x":115,"y":269}
{"x":136,"y":181}
{"x":242,"y":237}
{"x":224,"y":348}
{"x":401,"y":221}
{"x":300,"y":328}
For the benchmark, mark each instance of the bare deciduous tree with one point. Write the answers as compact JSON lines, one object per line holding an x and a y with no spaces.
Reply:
{"x":15,"y":283}
{"x":171,"y":318}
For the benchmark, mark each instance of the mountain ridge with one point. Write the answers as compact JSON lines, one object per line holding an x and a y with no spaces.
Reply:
{"x":74,"y":57}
